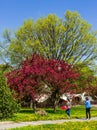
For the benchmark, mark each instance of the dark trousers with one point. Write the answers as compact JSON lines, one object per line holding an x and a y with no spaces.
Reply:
{"x":88,"y":115}
{"x":68,"y":112}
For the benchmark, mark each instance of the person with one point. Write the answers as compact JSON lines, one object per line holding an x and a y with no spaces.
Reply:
{"x":66,"y":107}
{"x":88,"y":107}
{"x":68,"y":110}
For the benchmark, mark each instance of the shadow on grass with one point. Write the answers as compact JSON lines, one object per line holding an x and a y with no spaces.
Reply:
{"x":27,"y":111}
{"x":50,"y":111}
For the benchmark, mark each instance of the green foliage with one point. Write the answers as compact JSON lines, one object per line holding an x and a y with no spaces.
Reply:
{"x":8,"y":105}
{"x":86,"y":78}
{"x":70,"y":39}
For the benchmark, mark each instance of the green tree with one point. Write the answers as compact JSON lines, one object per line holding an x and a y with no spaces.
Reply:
{"x":8,"y":105}
{"x":87,"y":78}
{"x":71,"y":39}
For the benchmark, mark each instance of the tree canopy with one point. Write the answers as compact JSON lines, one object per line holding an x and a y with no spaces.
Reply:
{"x":28,"y":77}
{"x":32,"y":75}
{"x":86,"y":78}
{"x":70,"y":39}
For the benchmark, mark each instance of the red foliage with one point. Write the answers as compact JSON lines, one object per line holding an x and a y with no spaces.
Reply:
{"x":27,"y":78}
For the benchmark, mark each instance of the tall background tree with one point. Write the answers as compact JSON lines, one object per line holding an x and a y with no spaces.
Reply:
{"x":70,"y":39}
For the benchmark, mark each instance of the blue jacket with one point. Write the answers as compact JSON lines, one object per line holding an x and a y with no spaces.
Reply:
{"x":87,"y":104}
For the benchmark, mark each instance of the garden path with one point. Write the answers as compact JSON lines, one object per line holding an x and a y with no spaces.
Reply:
{"x":9,"y":124}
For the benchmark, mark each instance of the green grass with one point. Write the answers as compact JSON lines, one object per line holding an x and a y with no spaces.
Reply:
{"x":92,"y":125}
{"x":29,"y":115}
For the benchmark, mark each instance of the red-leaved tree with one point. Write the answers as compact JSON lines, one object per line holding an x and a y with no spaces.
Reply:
{"x":27,"y":79}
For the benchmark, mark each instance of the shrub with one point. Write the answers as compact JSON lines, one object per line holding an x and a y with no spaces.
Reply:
{"x":8,"y":105}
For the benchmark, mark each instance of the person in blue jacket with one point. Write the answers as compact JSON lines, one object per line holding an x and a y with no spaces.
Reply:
{"x":88,"y":107}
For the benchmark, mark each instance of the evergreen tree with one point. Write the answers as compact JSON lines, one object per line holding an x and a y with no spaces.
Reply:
{"x":8,"y":105}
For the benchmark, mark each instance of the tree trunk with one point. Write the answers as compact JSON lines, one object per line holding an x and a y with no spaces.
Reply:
{"x":34,"y":106}
{"x":31,"y":103}
{"x":55,"y":106}
{"x":55,"y":97}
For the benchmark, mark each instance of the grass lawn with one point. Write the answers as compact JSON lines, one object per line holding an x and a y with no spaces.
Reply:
{"x":29,"y":115}
{"x":92,"y":125}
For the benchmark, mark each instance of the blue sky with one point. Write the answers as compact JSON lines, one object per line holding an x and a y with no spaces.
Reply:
{"x":14,"y":12}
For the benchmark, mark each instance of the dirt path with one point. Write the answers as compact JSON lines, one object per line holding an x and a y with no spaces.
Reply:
{"x":9,"y":124}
